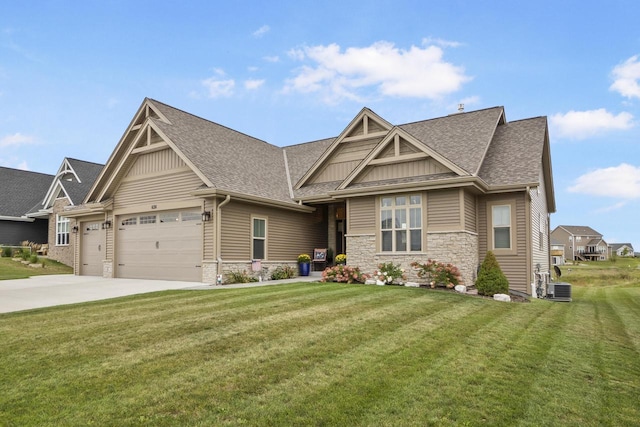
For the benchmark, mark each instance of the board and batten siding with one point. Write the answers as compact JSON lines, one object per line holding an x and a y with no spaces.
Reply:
{"x":361,"y":215}
{"x":344,"y":160}
{"x":443,"y":210}
{"x":513,"y":266}
{"x":289,"y":233}
{"x":402,"y":170}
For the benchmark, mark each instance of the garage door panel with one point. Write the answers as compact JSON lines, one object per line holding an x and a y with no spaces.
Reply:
{"x":166,"y":247}
{"x":92,"y":247}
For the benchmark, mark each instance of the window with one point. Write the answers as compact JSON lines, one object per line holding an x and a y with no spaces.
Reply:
{"x":401,"y":223}
{"x":259,"y":240}
{"x":501,"y":217}
{"x":148,"y":219}
{"x":168,"y":217}
{"x":62,"y":231}
{"x":130,"y":221}
{"x":191,"y":216}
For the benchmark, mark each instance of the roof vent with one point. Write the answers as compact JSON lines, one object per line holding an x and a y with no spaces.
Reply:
{"x":460,"y":108}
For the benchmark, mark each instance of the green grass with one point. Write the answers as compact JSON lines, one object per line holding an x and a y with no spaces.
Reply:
{"x":325,"y":354}
{"x":15,"y":270}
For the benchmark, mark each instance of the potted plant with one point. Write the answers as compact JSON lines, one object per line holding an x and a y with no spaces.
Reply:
{"x":341,"y":259}
{"x":304,"y":263}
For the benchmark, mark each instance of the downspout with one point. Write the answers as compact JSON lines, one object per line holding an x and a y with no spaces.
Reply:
{"x":218,"y":231}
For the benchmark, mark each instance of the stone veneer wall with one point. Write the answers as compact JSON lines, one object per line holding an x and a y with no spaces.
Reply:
{"x":64,"y":253}
{"x":457,"y":248}
{"x":211,"y":269}
{"x":107,"y":269}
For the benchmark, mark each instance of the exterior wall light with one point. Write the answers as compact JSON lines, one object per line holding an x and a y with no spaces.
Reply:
{"x":74,"y":229}
{"x":206,"y":216}
{"x":106,"y":225}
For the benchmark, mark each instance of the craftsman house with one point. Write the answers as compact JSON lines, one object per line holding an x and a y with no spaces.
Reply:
{"x":20,"y":191}
{"x":622,"y":249}
{"x":184,"y":198}
{"x":68,"y":187}
{"x":580,"y":243}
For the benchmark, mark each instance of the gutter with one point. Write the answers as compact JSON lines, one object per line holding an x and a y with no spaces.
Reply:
{"x":219,"y":230}
{"x":16,"y":218}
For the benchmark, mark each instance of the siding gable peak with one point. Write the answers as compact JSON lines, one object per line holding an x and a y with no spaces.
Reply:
{"x":348,"y":149}
{"x":397,"y":156}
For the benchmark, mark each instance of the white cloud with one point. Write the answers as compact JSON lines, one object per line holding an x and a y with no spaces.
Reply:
{"x":16,"y":139}
{"x":274,"y":58}
{"x":253,"y":84}
{"x":621,"y":181}
{"x":440,"y":42}
{"x":416,"y":72}
{"x":261,"y":31}
{"x":626,"y":77}
{"x":584,"y":124}
{"x":218,"y":87}
{"x":23,"y":166}
{"x":611,"y":208}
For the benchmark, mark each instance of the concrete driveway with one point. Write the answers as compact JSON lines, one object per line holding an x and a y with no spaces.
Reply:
{"x":48,"y":291}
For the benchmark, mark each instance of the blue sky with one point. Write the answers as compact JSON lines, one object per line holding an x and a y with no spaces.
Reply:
{"x":73,"y":73}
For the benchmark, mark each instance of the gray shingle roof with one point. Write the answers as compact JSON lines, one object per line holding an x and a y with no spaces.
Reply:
{"x":21,"y":190}
{"x":230,"y":159}
{"x":580,"y":230}
{"x":87,"y":173}
{"x":515,"y":154}
{"x":461,"y":138}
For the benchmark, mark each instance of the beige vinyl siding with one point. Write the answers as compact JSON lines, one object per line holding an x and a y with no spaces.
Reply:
{"x":470,"y":222}
{"x":361,"y":215}
{"x":514,"y":266}
{"x":172,"y":186}
{"x":403,"y":170}
{"x":538,"y":214}
{"x":288,"y":233}
{"x":443,"y":210}
{"x":345,"y":159}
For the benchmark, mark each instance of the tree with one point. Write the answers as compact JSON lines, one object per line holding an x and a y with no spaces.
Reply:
{"x":491,"y":280}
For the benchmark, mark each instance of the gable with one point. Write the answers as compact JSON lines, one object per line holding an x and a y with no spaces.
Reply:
{"x":348,"y":150}
{"x":400,"y":159}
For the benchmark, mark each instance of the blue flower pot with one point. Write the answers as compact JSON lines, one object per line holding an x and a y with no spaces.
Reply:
{"x":304,"y":268}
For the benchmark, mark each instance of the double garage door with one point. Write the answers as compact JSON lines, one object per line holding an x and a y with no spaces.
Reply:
{"x":160,"y":245}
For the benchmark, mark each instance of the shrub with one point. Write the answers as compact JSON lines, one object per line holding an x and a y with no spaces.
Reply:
{"x":239,"y":277}
{"x":390,"y":273}
{"x":491,"y":280}
{"x":343,"y":274}
{"x":7,"y":252}
{"x":25,"y":254}
{"x":33,"y":259}
{"x":438,"y":273}
{"x":283,"y":272}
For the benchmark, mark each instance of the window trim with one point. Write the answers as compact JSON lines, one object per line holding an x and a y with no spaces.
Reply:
{"x":254,"y":238}
{"x":407,"y":208}
{"x":513,"y":239}
{"x":62,"y":230}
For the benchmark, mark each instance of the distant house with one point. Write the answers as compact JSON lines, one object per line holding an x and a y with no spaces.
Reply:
{"x":622,"y":249}
{"x":581,"y":243}
{"x":557,"y":252}
{"x":184,"y":198}
{"x":68,"y":187}
{"x":20,"y":191}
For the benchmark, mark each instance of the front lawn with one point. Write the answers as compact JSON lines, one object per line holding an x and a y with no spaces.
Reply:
{"x":325,"y":354}
{"x":16,"y":270}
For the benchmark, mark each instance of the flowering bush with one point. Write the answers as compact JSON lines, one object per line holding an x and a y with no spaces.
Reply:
{"x":343,"y":274}
{"x":389,"y":273}
{"x":438,"y":273}
{"x":341,"y":259}
{"x":304,"y":258}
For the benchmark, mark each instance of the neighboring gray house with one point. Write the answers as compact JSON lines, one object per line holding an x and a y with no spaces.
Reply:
{"x":68,"y":187}
{"x":184,"y":198}
{"x":581,"y":243}
{"x":20,"y":191}
{"x":622,"y":249}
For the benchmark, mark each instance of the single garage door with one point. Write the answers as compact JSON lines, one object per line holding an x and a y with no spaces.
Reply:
{"x":160,"y":245}
{"x":92,"y":249}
